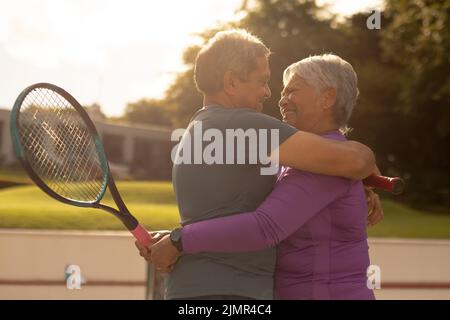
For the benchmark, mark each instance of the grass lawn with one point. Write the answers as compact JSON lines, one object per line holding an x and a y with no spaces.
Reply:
{"x":153,"y":203}
{"x":404,"y":222}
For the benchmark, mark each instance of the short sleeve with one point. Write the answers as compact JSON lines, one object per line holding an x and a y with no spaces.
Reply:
{"x":253,"y":119}
{"x":270,"y":133}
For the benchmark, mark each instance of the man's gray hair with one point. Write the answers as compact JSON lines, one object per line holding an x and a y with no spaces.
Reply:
{"x":236,"y":50}
{"x":325,"y":71}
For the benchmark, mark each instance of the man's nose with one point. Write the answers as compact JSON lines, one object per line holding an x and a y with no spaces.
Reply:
{"x":268,"y":92}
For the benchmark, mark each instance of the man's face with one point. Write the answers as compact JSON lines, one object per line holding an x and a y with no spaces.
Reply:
{"x":299,"y":105}
{"x":252,"y":92}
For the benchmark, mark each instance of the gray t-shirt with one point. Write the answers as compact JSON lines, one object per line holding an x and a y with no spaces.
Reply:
{"x":207,"y":191}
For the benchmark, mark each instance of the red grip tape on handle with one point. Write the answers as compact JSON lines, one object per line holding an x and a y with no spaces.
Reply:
{"x":142,"y":235}
{"x":391,"y":184}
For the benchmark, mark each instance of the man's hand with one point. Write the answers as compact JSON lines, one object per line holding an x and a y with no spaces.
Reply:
{"x":164,"y":255}
{"x":376,"y":213}
{"x":145,"y":252}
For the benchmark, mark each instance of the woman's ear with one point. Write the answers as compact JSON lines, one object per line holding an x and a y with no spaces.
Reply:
{"x":328,"y":98}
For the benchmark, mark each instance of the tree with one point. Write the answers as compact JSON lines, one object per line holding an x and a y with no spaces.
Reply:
{"x":418,"y":41}
{"x":95,"y":112}
{"x":148,"y":111}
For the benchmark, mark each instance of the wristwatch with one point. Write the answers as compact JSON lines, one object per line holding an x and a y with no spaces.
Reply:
{"x":175,"y":237}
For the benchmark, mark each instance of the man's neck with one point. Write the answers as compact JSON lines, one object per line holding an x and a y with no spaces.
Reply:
{"x":218,"y":99}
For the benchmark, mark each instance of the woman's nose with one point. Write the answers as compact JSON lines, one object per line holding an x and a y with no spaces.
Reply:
{"x":283,"y":101}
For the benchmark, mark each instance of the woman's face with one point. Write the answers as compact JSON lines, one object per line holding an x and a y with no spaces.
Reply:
{"x":299,"y":105}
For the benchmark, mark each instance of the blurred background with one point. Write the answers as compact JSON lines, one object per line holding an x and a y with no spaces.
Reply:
{"x":130,"y":63}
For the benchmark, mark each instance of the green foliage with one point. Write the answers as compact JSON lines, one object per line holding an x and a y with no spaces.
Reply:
{"x":185,"y":98}
{"x":418,"y":41}
{"x":148,"y":111}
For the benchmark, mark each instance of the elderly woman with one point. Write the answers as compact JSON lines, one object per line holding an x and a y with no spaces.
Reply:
{"x":317,"y":221}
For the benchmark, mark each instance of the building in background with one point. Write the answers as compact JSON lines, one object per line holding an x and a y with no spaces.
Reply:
{"x":133,"y":151}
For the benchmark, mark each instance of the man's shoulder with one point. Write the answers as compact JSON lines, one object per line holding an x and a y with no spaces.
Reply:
{"x":238,"y":118}
{"x":245,"y":117}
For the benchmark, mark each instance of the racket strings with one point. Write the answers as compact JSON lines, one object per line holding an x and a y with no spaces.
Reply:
{"x":63,"y":150}
{"x":79,"y":148}
{"x":59,"y":147}
{"x":49,"y":167}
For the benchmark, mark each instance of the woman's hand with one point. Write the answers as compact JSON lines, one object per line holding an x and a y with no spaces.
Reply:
{"x":376,"y":213}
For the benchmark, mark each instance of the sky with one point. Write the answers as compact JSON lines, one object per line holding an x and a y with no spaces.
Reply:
{"x":110,"y":52}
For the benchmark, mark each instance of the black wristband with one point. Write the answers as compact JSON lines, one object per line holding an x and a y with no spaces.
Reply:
{"x":175,"y":237}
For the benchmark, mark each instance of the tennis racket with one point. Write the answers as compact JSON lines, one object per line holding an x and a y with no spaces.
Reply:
{"x":395,"y":185}
{"x":58,"y":146}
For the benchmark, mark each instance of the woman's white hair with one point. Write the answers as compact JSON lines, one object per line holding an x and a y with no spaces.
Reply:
{"x":325,"y":71}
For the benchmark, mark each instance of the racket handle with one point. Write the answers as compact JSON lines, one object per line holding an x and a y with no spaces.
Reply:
{"x":144,"y":238}
{"x":394,"y":185}
{"x":142,"y":235}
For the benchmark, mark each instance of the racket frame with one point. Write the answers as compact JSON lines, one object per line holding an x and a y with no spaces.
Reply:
{"x":107,"y":180}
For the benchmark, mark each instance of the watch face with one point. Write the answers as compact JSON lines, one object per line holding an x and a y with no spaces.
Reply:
{"x":175,"y":235}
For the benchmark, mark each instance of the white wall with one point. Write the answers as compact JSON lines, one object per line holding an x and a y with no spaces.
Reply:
{"x":113,"y":270}
{"x":43,"y":256}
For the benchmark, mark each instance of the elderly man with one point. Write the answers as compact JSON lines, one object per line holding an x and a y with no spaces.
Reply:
{"x":232,"y":72}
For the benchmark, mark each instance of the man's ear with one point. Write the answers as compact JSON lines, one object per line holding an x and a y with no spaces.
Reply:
{"x":229,"y":82}
{"x":328,"y":98}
